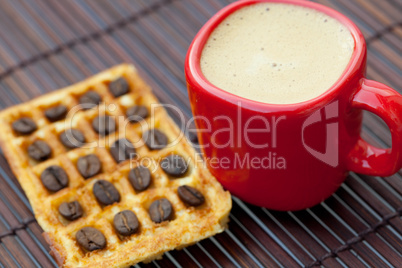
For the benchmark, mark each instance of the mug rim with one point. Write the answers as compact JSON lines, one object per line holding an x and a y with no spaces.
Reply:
{"x":195,"y":76}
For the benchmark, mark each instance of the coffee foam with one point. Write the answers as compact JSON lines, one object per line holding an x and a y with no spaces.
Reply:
{"x":277,"y":53}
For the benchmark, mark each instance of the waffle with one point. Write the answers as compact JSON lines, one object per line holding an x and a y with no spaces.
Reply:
{"x":188,"y":225}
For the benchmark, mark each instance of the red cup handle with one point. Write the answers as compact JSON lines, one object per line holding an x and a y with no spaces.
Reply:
{"x":387,"y":104}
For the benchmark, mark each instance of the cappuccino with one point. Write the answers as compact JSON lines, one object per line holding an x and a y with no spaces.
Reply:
{"x":277,"y":53}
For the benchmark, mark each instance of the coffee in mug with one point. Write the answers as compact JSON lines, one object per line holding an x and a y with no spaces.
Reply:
{"x":277,"y":53}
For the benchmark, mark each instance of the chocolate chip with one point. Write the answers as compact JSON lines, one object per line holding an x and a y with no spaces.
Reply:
{"x":72,"y":138}
{"x":104,"y":125}
{"x":137,"y":113}
{"x":122,"y":150}
{"x":155,"y":139}
{"x":90,"y":239}
{"x":174,"y":165}
{"x":24,"y":126}
{"x":190,"y":195}
{"x":105,"y":192}
{"x":54,"y":178}
{"x":70,"y":210}
{"x":90,"y":99}
{"x":140,"y":178}
{"x":118,"y":87}
{"x":161,"y":210}
{"x":89,"y":165}
{"x":126,"y":223}
{"x":39,"y":150}
{"x":56,"y":113}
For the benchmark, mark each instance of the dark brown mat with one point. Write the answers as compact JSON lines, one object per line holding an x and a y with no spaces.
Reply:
{"x":45,"y":45}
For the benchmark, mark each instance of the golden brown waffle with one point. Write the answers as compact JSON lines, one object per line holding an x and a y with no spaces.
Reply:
{"x":189,"y":225}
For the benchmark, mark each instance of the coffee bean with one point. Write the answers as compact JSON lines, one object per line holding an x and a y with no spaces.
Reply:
{"x":191,"y":131}
{"x":24,"y":126}
{"x":192,"y":136}
{"x":122,"y":150}
{"x":72,"y":138}
{"x":89,"y":165}
{"x":105,"y":192}
{"x":140,"y":178}
{"x":137,"y":113}
{"x":90,"y":239}
{"x":174,"y":165}
{"x":56,"y":113}
{"x":155,"y":139}
{"x":190,"y":195}
{"x":70,"y":210}
{"x":39,"y":150}
{"x":126,"y":223}
{"x":90,"y":99}
{"x":118,"y":87}
{"x":104,"y":125}
{"x":161,"y":210}
{"x":54,"y":178}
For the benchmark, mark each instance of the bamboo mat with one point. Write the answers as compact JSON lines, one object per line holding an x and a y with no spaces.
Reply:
{"x":45,"y":45}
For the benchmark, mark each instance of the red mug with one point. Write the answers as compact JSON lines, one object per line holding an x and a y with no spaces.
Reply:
{"x":312,"y":145}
